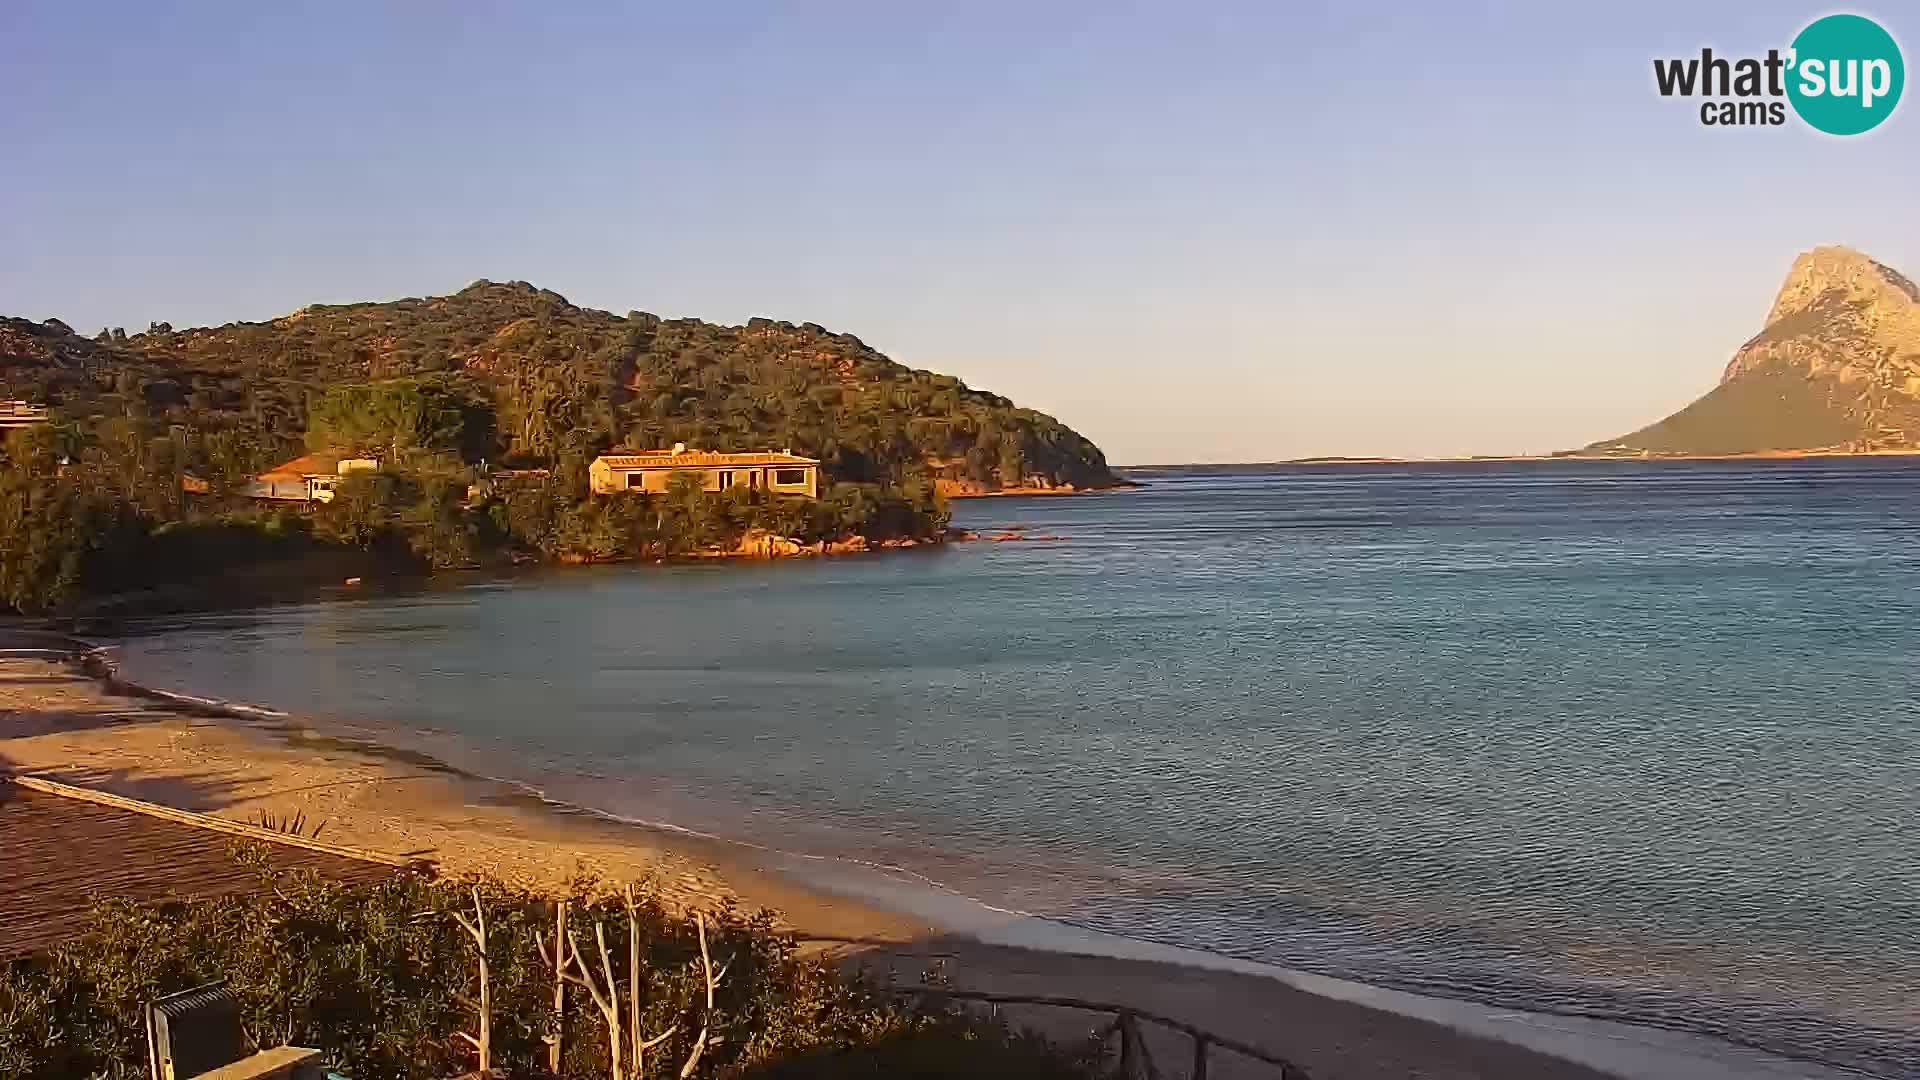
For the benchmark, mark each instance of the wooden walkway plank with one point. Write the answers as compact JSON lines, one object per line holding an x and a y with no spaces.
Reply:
{"x":63,"y":847}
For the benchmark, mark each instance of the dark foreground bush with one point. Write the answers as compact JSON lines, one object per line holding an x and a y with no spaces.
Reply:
{"x":382,"y":977}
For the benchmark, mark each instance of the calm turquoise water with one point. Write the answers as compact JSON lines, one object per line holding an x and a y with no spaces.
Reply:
{"x":1641,"y":742}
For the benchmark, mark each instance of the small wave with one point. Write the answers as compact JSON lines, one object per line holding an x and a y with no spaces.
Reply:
{"x":534,"y":792}
{"x":248,"y":711}
{"x":1812,"y":1041}
{"x":101,"y":662}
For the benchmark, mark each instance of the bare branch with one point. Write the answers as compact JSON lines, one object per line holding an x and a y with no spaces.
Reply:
{"x":693,"y":1059}
{"x":633,"y":986}
{"x":613,"y":997}
{"x":608,"y":1003}
{"x":477,"y":929}
{"x":706,"y":960}
{"x":706,"y":1020}
{"x":577,"y":981}
{"x":585,"y":978}
{"x":555,"y":1040}
{"x":606,"y":965}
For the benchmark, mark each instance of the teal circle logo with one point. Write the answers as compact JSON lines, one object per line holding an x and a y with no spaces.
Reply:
{"x":1846,"y":74}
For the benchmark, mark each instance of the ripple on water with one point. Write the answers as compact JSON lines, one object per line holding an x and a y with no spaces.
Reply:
{"x":1620,"y":740}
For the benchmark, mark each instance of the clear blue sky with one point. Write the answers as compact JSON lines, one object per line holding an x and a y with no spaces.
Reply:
{"x":1241,"y":232}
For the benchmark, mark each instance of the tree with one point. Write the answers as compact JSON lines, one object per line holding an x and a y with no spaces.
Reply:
{"x":57,"y":532}
{"x":361,"y":513}
{"x":447,"y":535}
{"x":374,"y":975}
{"x":1013,"y":463}
{"x":400,"y":417}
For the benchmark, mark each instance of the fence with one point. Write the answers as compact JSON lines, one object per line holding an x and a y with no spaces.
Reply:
{"x":1135,"y":1060}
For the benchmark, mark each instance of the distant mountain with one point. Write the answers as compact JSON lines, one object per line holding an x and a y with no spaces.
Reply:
{"x":1836,"y":368}
{"x":563,"y":381}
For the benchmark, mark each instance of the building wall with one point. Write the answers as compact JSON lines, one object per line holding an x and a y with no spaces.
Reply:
{"x":279,"y":487}
{"x":809,"y":486}
{"x":601,"y":479}
{"x":606,"y":480}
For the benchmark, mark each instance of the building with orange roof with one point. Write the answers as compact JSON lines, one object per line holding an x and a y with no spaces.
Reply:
{"x":307,"y":478}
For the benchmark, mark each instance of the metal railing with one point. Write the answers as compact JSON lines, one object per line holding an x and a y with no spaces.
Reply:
{"x":1135,"y":1059}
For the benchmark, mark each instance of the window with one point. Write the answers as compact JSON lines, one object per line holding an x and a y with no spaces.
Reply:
{"x":636,"y":480}
{"x":790,"y":477}
{"x":726,"y":478}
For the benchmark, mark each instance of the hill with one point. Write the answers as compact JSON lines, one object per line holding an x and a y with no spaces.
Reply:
{"x":557,"y":381}
{"x":1836,"y":368}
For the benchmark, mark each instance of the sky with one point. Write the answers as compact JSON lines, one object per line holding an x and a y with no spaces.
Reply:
{"x":1194,"y":232}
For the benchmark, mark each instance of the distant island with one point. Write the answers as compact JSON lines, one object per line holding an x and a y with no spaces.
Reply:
{"x":1835,"y":370}
{"x":448,"y":431}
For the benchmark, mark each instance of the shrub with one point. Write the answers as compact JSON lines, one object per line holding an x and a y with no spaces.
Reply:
{"x":379,"y":976}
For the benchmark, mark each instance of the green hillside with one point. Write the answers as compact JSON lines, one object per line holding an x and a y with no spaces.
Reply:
{"x":133,"y":497}
{"x":562,"y":382}
{"x":1774,"y":408}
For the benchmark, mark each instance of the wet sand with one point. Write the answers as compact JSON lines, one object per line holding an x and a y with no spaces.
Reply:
{"x":64,"y":725}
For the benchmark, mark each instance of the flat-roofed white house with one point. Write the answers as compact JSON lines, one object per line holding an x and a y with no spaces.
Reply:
{"x":307,"y":478}
{"x":651,"y":470}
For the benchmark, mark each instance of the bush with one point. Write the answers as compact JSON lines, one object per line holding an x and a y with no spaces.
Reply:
{"x":57,"y":535}
{"x":377,"y":976}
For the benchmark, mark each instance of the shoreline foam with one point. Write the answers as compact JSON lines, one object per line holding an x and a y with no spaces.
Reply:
{"x":888,"y":909}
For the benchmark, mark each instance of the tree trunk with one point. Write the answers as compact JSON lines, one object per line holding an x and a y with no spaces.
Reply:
{"x":559,"y":989}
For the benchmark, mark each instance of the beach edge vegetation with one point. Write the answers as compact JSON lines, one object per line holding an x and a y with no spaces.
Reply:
{"x":382,"y":977}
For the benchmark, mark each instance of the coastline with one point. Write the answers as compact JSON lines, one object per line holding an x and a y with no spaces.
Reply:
{"x":1571,"y":455}
{"x":237,"y":761}
{"x":957,"y":490}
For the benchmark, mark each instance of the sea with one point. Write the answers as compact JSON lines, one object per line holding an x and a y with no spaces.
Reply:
{"x":1630,"y":740}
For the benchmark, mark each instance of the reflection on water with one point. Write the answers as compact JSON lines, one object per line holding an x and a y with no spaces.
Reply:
{"x":1635,"y":741}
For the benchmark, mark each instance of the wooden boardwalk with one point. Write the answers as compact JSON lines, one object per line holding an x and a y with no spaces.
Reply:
{"x":60,"y":847}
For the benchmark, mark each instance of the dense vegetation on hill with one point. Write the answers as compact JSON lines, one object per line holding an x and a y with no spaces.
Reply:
{"x":381,"y":977}
{"x":442,"y":388}
{"x":562,"y":381}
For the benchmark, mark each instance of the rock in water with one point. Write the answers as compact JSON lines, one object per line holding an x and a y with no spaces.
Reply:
{"x":1836,"y":368}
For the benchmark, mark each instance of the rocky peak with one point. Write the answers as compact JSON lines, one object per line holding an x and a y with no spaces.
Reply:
{"x":1840,"y":313}
{"x":1836,"y":368}
{"x":1854,"y":276}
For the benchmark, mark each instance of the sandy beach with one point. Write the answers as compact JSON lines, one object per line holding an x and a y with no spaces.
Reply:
{"x":62,"y":724}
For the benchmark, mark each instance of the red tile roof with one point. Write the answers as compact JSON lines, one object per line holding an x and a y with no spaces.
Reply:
{"x":306,"y":465}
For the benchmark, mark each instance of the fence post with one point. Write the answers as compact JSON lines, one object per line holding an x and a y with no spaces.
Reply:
{"x":1199,"y":1056}
{"x":1125,"y":1026}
